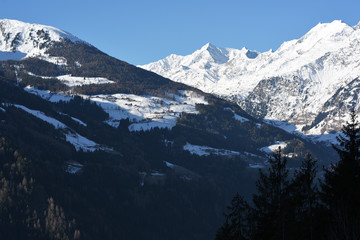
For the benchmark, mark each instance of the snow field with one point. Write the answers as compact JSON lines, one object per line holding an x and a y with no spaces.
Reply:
{"x":78,"y":141}
{"x":47,"y":95}
{"x":73,"y":81}
{"x":237,"y":117}
{"x":274,"y":147}
{"x":144,"y":112}
{"x":206,"y":151}
{"x":147,"y":112}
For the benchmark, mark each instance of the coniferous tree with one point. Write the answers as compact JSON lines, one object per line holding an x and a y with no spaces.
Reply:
{"x":304,"y":195}
{"x":224,"y":232}
{"x":17,"y":220}
{"x":270,"y":203}
{"x":340,"y":189}
{"x":57,"y":226}
{"x":236,"y":226}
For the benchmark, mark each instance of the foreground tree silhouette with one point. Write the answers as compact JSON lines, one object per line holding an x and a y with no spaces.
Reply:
{"x":282,"y":208}
{"x":270,"y":208}
{"x":236,"y":226}
{"x":341,"y":185}
{"x":304,"y":200}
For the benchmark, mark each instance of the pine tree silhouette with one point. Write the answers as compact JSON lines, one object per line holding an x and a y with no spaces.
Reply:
{"x":341,"y":186}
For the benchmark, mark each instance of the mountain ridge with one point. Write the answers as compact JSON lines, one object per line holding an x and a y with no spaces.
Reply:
{"x":313,"y":67}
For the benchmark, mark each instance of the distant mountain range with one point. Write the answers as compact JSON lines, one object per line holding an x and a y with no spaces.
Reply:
{"x":312,"y":82}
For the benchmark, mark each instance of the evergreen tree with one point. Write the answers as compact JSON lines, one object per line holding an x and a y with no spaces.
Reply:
{"x":57,"y":227}
{"x":340,"y":189}
{"x":17,"y":220}
{"x":236,"y":226}
{"x":304,"y":195}
{"x":270,"y":209}
{"x":224,"y":232}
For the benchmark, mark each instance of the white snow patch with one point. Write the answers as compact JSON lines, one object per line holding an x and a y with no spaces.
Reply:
{"x":250,"y":154}
{"x":75,"y":119}
{"x":47,"y":95}
{"x":206,"y":151}
{"x":77,"y":64}
{"x":240,"y":118}
{"x":272,"y":148}
{"x":74,"y":167}
{"x":169,"y":165}
{"x":256,"y":165}
{"x":81,"y":143}
{"x":79,"y":121}
{"x":288,"y":127}
{"x":157,"y":174}
{"x":78,"y":141}
{"x":236,"y":116}
{"x":72,"y":81}
{"x":42,"y":116}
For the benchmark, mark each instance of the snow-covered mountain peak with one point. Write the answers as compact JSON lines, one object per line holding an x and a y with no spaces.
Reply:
{"x":216,"y":54}
{"x":331,"y":30}
{"x":290,"y":84}
{"x":30,"y":39}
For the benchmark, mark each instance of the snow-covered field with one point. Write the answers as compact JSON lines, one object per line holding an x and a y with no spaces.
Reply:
{"x":272,"y":148}
{"x":144,"y":112}
{"x":79,"y":81}
{"x":78,"y":141}
{"x":236,"y":116}
{"x":72,"y":81}
{"x":253,"y":160}
{"x":147,"y":112}
{"x":206,"y":151}
{"x":47,"y":95}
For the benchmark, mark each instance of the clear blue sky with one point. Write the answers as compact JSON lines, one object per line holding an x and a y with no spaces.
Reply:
{"x":142,"y":31}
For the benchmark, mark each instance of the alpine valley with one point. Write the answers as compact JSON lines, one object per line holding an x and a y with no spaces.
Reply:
{"x":307,"y":86}
{"x":92,"y":147}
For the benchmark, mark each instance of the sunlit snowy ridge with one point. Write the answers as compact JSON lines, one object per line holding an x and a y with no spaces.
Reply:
{"x":301,"y":79}
{"x":20,"y":40}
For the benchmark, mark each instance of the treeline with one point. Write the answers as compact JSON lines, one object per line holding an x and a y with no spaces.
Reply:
{"x":303,"y":205}
{"x":23,"y":215}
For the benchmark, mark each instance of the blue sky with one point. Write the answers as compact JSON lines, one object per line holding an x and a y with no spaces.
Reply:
{"x":140,"y":31}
